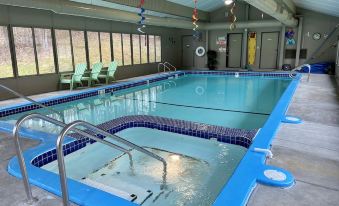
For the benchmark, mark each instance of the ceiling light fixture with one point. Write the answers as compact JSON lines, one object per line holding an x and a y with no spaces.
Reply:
{"x":228,"y":2}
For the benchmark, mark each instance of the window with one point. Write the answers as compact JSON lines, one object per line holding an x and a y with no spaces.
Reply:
{"x":143,"y":46}
{"x":6,"y":69}
{"x":105,"y":44}
{"x":151,"y":48}
{"x":117,"y":48}
{"x":63,"y":42}
{"x":157,"y":48}
{"x":24,"y":50}
{"x":126,"y":42}
{"x":93,"y":47}
{"x":136,"y":48}
{"x":44,"y":49}
{"x":79,"y":50}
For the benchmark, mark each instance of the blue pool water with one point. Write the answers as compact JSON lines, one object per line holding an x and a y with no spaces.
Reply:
{"x":227,"y":101}
{"x":197,"y":168}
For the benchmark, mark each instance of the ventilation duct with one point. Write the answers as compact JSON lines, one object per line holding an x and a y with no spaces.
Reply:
{"x":92,"y":11}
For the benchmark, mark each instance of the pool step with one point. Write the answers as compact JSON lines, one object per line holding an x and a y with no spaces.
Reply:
{"x":138,"y":196}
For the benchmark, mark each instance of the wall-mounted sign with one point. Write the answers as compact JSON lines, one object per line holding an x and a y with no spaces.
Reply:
{"x":221,"y":43}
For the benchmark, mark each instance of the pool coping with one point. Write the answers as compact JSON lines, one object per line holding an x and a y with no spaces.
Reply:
{"x":235,"y":192}
{"x":240,"y":137}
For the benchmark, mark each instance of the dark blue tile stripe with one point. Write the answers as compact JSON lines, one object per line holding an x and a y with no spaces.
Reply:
{"x":222,"y":134}
{"x":121,"y":86}
{"x":94,"y":92}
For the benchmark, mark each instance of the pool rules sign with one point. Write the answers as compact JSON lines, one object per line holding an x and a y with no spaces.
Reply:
{"x":221,"y":43}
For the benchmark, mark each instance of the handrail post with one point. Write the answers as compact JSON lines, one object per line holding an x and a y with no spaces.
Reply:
{"x":21,"y":159}
{"x":60,"y":153}
{"x":175,"y":69}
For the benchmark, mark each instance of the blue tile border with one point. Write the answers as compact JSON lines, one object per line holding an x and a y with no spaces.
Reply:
{"x":235,"y":136}
{"x":125,"y":85}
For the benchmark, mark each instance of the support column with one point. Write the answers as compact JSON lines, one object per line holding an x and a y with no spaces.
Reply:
{"x":245,"y":40}
{"x":282,"y":47}
{"x":300,"y":28}
{"x":207,"y":46}
{"x":244,"y":48}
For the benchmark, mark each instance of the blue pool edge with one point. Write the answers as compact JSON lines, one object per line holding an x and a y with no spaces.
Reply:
{"x":235,"y":192}
{"x":247,"y":175}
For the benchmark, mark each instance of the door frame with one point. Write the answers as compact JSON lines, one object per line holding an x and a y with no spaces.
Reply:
{"x":227,"y":49}
{"x":182,"y":50}
{"x":277,"y":56}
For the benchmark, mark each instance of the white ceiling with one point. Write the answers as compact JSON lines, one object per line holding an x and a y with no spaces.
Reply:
{"x":204,"y":5}
{"x":329,"y":7}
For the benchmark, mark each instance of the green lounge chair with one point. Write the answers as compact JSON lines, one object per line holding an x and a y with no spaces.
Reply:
{"x":95,"y":72}
{"x":73,"y":78}
{"x":112,"y":67}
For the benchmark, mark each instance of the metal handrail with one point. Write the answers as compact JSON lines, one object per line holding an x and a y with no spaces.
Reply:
{"x":32,"y":101}
{"x":170,"y":67}
{"x":21,"y":159}
{"x":300,"y":68}
{"x":173,"y":67}
{"x":61,"y":163}
{"x":160,"y":65}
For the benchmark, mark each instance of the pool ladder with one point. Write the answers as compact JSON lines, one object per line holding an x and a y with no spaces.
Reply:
{"x":61,"y":164}
{"x":292,"y":73}
{"x":166,"y":65}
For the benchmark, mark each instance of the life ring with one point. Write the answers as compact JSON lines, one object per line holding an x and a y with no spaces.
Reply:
{"x":199,"y":90}
{"x":200,"y":51}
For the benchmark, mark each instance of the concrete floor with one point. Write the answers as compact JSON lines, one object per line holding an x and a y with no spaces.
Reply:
{"x":309,"y":150}
{"x":12,"y":191}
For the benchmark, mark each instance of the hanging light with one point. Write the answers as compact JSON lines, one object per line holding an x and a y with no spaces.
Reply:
{"x":228,"y":2}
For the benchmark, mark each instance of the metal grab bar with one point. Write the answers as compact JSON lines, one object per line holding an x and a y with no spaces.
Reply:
{"x":160,"y":65}
{"x":21,"y":159}
{"x":32,"y":101}
{"x":61,"y":163}
{"x":173,"y":67}
{"x":300,"y":68}
{"x":170,"y":67}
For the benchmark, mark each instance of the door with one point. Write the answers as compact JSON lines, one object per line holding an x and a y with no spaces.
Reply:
{"x":187,"y":51}
{"x":234,"y":49}
{"x":269,"y":50}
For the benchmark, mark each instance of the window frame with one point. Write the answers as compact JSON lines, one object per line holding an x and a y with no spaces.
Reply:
{"x":72,"y":48}
{"x":147,"y":48}
{"x":89,"y":63}
{"x":155,"y":44}
{"x":34,"y":52}
{"x":130,"y":48}
{"x":122,"y":48}
{"x":11,"y":53}
{"x":132,"y":45}
{"x":56,"y":49}
{"x":110,"y":43}
{"x":52,"y":29}
{"x":56,"y":69}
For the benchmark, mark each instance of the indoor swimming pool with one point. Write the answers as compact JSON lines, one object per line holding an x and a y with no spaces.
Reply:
{"x":205,"y":125}
{"x":227,"y":101}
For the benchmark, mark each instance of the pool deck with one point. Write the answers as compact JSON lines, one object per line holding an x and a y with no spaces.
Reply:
{"x":309,"y":150}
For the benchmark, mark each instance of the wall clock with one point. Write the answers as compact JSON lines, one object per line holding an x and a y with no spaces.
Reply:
{"x":316,"y":36}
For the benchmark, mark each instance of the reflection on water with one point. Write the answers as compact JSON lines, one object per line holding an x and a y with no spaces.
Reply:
{"x":212,"y":100}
